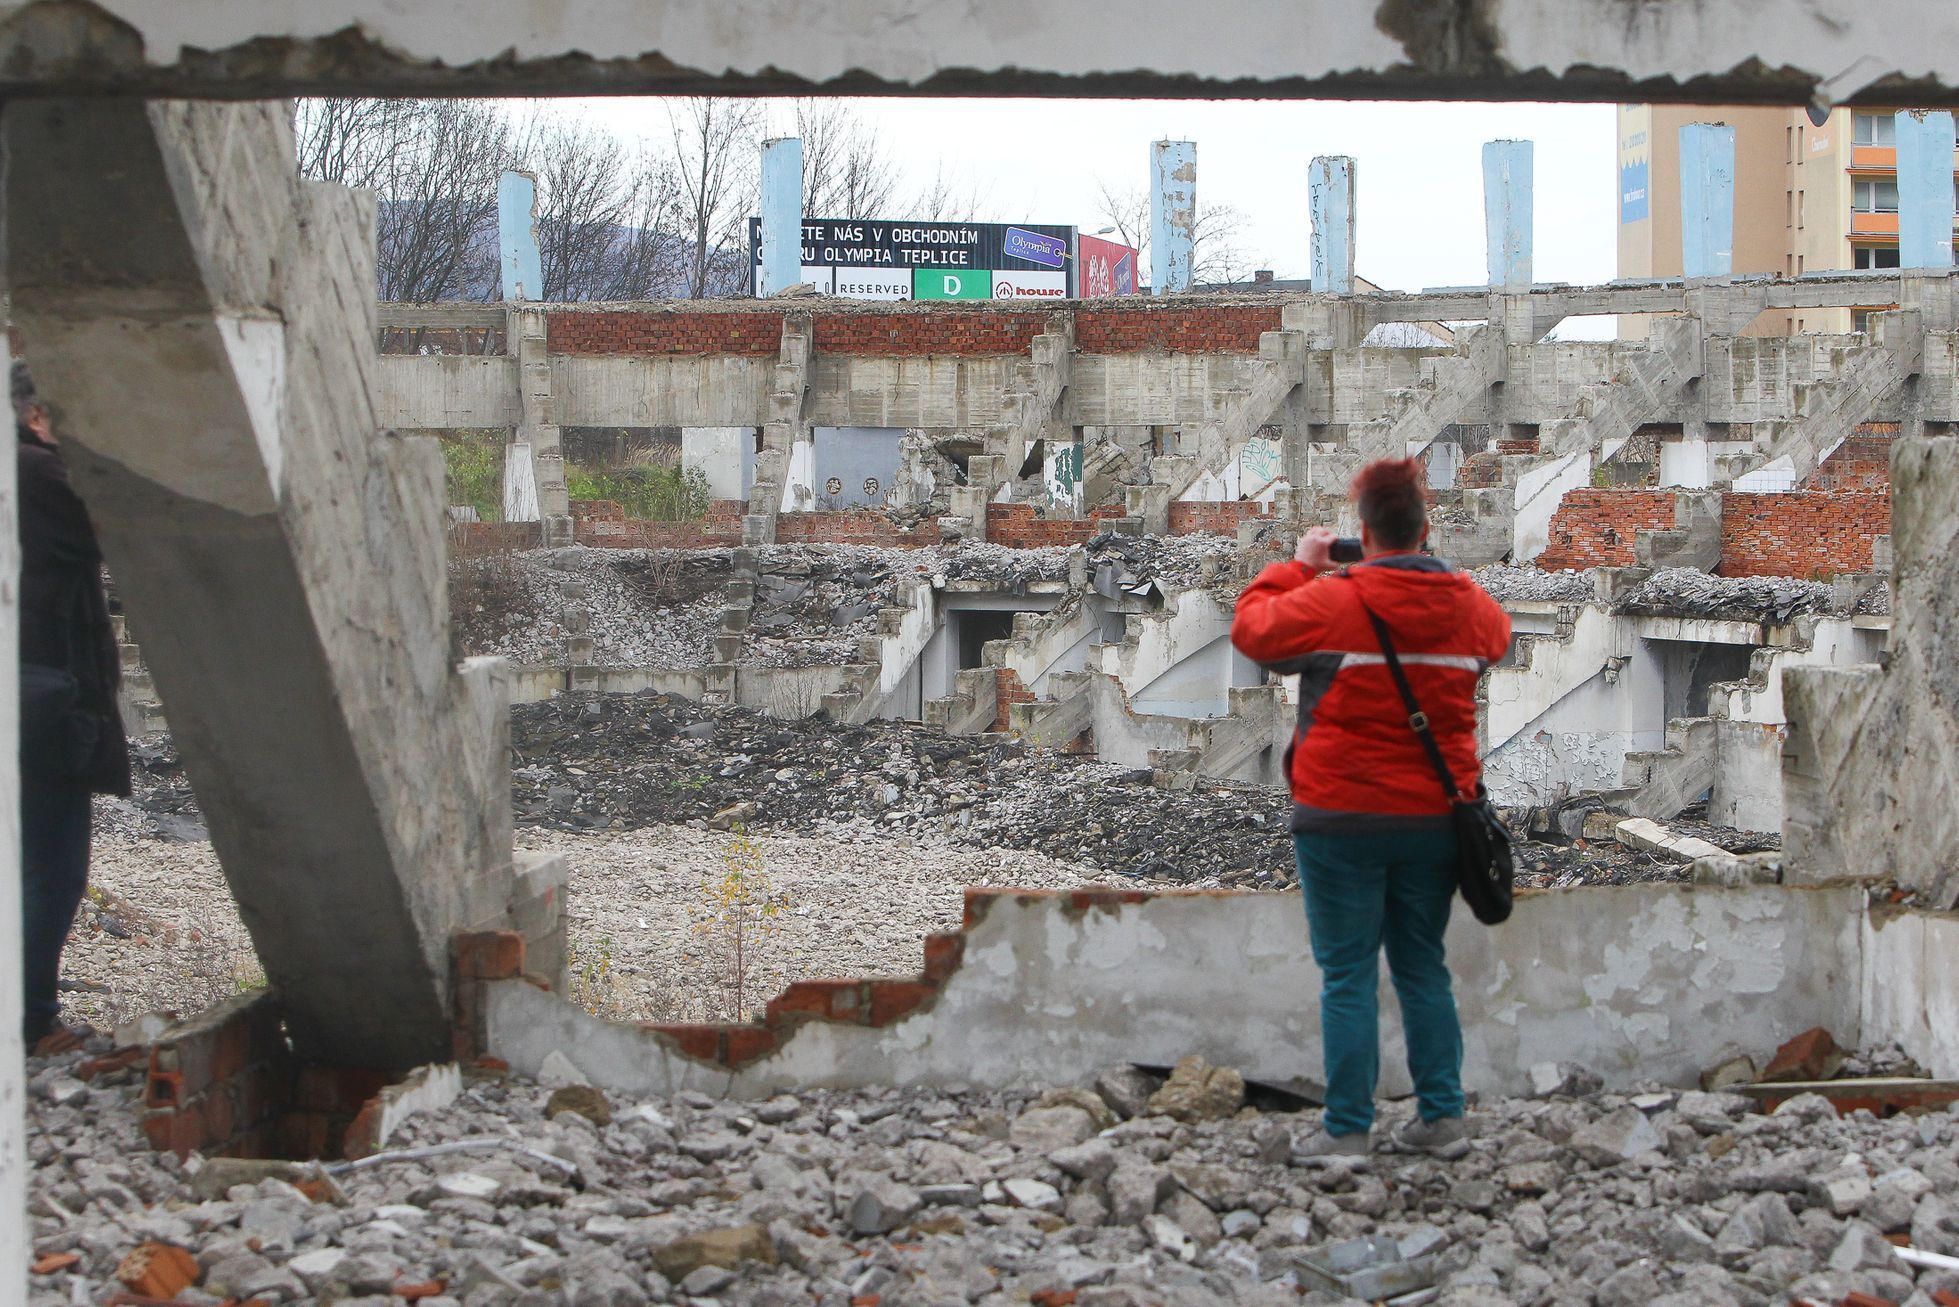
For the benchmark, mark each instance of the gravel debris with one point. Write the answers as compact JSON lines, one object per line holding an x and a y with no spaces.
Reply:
{"x":1686,"y":592}
{"x":929,"y":1196}
{"x":649,"y":607}
{"x":1528,"y":584}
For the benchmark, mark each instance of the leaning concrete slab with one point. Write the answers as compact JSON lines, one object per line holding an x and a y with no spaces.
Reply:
{"x":205,"y":340}
{"x":1872,"y":759}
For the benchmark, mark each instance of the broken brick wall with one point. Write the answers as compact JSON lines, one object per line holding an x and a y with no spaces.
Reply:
{"x":1596,"y":528}
{"x":1021,"y":526}
{"x":1808,"y":534}
{"x":602,"y":524}
{"x":1805,"y":534}
{"x":911,"y":330}
{"x":1863,"y":462}
{"x":1215,"y":518}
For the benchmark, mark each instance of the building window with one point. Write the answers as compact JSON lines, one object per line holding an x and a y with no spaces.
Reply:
{"x":1873,"y":197}
{"x":1875,"y":129}
{"x":1875,"y":256}
{"x":1860,"y":320}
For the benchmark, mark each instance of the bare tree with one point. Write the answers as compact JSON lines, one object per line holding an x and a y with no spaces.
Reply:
{"x":583,"y":202}
{"x":433,"y":165}
{"x":1128,"y":211}
{"x":1217,"y":257}
{"x":649,"y":257}
{"x":944,"y":201}
{"x":846,"y":173}
{"x":350,"y":142}
{"x":715,"y":145}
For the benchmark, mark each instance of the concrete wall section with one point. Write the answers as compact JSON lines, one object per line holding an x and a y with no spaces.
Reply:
{"x":919,"y":391}
{"x":1910,"y":986}
{"x":210,"y":363}
{"x":855,"y":467}
{"x":722,"y":390}
{"x":447,"y":392}
{"x":1873,"y":757}
{"x":1642,"y":983}
{"x":724,"y":455}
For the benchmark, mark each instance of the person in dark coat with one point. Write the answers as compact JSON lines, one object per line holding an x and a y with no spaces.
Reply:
{"x":64,"y":629}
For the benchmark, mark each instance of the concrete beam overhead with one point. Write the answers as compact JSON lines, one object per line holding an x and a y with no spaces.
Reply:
{"x":1703,"y":52}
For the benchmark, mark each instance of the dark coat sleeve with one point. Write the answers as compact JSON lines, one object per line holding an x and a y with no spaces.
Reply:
{"x":64,"y":614}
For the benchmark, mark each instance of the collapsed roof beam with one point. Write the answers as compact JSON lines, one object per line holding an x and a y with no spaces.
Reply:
{"x":1713,"y":51}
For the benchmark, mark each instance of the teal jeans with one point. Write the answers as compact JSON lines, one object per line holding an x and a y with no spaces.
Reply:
{"x":1365,"y":893}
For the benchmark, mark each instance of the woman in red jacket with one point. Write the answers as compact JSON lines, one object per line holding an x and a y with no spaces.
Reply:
{"x":1370,"y":819}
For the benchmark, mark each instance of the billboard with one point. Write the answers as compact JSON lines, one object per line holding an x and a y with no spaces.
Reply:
{"x":1106,"y":268}
{"x":885,"y":260}
{"x":1635,"y":174}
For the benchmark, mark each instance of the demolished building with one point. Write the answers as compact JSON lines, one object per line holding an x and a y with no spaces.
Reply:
{"x":266,"y":533}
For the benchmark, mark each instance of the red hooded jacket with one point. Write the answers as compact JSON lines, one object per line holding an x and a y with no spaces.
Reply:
{"x":1353,"y":750}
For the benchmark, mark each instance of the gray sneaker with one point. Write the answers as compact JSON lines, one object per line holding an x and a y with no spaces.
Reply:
{"x":1320,"y":1144}
{"x":1445,"y":1137}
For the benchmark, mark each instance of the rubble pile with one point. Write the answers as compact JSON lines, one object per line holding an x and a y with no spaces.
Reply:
{"x":1686,"y":592}
{"x":814,"y":603}
{"x":623,"y":763}
{"x":594,"y":763}
{"x":649,"y":607}
{"x":1136,"y":1193}
{"x":1524,"y":584}
{"x":628,"y":762}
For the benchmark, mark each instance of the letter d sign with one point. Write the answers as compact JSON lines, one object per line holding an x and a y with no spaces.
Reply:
{"x":967,"y":284}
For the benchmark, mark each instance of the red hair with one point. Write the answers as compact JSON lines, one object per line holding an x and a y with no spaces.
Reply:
{"x":1388,"y":493}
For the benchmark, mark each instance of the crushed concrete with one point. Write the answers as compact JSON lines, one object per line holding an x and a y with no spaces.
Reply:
{"x":648,"y":760}
{"x":585,"y":764}
{"x":649,"y":607}
{"x":1507,"y":584}
{"x":814,"y":603}
{"x":927,"y":1196}
{"x":159,"y":930}
{"x":1686,"y":592}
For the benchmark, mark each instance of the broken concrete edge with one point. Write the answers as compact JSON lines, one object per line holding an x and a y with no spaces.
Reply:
{"x":1073,"y":973}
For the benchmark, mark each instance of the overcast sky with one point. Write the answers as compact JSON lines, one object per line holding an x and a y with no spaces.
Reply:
{"x":1420,"y":213}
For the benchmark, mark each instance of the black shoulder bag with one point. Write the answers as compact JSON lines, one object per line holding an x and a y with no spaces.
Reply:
{"x":1485,"y":872}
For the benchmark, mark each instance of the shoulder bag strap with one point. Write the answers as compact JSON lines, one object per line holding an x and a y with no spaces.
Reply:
{"x":1417,"y":719}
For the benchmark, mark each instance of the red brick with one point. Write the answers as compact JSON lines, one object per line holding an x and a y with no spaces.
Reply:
{"x":489,"y":954}
{"x":1596,"y":528}
{"x":892,"y":999}
{"x":743,"y":1044}
{"x":1812,"y":1055}
{"x":943,"y":954}
{"x":833,"y":1000}
{"x":696,"y":1041}
{"x":177,"y":1131}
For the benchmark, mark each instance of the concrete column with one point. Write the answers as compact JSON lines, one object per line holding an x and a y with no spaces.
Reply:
{"x":13,"y":1084}
{"x":782,"y":216}
{"x":1330,"y":179}
{"x":1507,"y":213}
{"x":1173,"y":214}
{"x":1925,"y":189}
{"x":523,"y":267}
{"x":549,"y":499}
{"x":206,"y":343}
{"x":1707,"y":200}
